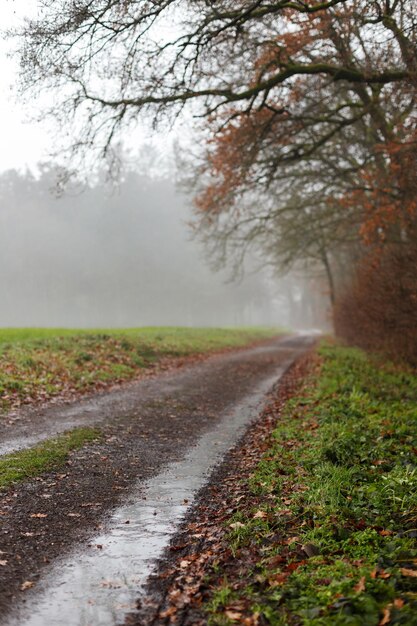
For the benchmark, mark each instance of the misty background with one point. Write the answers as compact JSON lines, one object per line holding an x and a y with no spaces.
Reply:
{"x":122,"y":258}
{"x":117,"y":257}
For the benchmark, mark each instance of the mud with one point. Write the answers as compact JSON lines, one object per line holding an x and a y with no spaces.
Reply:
{"x":199,"y":558}
{"x":147,"y":426}
{"x":30,"y":425}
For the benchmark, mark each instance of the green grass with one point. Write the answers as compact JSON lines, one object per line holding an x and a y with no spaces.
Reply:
{"x":180,"y":337}
{"x":40,"y":363}
{"x":340,"y":478}
{"x":47,"y":456}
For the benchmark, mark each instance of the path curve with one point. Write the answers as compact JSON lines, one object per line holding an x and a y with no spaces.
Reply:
{"x":174,"y":425}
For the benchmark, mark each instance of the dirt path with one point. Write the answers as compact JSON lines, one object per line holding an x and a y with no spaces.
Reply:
{"x":149,"y":427}
{"x":29,"y":425}
{"x":199,"y":554}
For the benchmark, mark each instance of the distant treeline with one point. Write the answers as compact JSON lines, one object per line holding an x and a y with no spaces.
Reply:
{"x":98,"y":257}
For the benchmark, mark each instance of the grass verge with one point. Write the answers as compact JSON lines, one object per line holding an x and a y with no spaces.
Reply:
{"x":328,"y":535}
{"x":38,"y":364}
{"x":47,"y":456}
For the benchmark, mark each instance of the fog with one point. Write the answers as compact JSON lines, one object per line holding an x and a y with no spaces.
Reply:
{"x":118,"y":259}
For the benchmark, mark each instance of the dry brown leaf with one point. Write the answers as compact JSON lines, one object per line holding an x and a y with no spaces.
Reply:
{"x":360,"y":586}
{"x":386,"y":617}
{"x":28,"y":584}
{"x":260,"y":515}
{"x":3,"y":563}
{"x":408,"y":572}
{"x":237,"y":525}
{"x":184,"y":563}
{"x":311,"y":550}
{"x":233,"y":615}
{"x":398,"y":603}
{"x":277,"y":579}
{"x":169,"y":612}
{"x":291,"y":540}
{"x":39,"y":515}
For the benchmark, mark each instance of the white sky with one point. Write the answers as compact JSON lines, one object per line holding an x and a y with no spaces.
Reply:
{"x":23,"y":142}
{"x":26,"y":142}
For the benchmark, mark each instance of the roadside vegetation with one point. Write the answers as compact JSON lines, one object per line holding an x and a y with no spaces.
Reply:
{"x":328,"y":534}
{"x":40,"y":364}
{"x":47,"y":456}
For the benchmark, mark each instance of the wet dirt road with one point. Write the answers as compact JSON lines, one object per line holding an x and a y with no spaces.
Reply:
{"x":79,"y":544}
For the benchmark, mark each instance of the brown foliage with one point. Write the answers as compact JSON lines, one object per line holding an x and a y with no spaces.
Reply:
{"x":379,"y":311}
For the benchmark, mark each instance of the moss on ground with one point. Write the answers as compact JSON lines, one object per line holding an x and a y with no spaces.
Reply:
{"x":332,"y":539}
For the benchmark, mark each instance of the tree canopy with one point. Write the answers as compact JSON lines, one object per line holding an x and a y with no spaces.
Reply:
{"x":304,"y":111}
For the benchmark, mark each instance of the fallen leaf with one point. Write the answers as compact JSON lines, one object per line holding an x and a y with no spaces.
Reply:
{"x":184,"y":563}
{"x":386,"y":617}
{"x":73,"y":515}
{"x":398,"y":603}
{"x":237,"y":525}
{"x":291,"y":540}
{"x":3,"y":563}
{"x":408,"y":572}
{"x":260,"y":515}
{"x":233,"y":615}
{"x":360,"y":586}
{"x":277,"y":579}
{"x":311,"y":550}
{"x":385,"y":533}
{"x":27,"y":585}
{"x":39,"y":515}
{"x":169,"y":612}
{"x":276,"y":560}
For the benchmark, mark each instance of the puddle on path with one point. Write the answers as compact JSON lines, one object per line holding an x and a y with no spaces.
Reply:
{"x":98,"y":586}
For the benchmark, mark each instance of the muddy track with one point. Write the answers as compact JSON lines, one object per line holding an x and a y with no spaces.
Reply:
{"x":146,"y":426}
{"x":181,"y":582}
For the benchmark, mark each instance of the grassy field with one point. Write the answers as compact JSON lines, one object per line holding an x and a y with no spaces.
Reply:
{"x":329,"y":535}
{"x":40,"y":363}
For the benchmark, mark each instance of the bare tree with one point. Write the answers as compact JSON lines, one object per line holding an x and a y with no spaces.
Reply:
{"x":305,"y":109}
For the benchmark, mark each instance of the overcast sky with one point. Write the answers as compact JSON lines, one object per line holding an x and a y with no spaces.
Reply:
{"x":22,"y":142}
{"x":25,"y":141}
